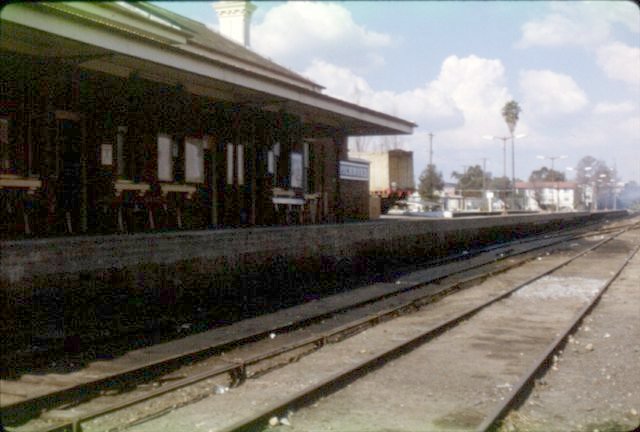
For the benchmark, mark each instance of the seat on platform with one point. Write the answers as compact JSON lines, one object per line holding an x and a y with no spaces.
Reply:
{"x":286,"y":201}
{"x":17,"y":200}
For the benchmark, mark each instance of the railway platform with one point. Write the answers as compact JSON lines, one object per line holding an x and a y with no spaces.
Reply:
{"x":49,"y":285}
{"x":233,"y":358}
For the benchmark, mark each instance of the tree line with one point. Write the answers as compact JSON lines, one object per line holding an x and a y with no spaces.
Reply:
{"x":590,"y":174}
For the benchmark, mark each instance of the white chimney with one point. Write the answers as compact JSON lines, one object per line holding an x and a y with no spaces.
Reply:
{"x":235,"y":19}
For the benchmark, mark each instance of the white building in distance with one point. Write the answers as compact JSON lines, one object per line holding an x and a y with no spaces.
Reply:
{"x":548,"y":195}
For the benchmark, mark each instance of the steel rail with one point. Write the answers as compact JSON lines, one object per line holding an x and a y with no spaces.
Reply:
{"x":186,"y":356}
{"x":13,"y":358}
{"x":239,"y":369}
{"x":541,"y":363}
{"x":7,"y":359}
{"x":366,"y":366}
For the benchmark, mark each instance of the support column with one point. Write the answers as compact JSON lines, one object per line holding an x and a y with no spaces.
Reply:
{"x":340,"y":142}
{"x":213,"y":146}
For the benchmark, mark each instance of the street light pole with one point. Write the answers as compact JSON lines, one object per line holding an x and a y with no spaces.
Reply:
{"x":588,"y":175}
{"x":504,"y":151}
{"x":513,"y":169}
{"x":504,"y":158}
{"x":513,"y":173}
{"x":464,"y":172}
{"x":600,"y":179}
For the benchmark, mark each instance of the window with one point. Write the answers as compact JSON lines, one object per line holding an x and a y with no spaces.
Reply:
{"x":308,"y":171}
{"x":296,"y":170}
{"x":36,"y":140}
{"x":270,"y":162}
{"x":165,"y":159}
{"x":235,"y":160}
{"x":240,"y":161}
{"x":194,"y":160}
{"x":5,"y":154}
{"x":229,"y":163}
{"x":120,"y":149}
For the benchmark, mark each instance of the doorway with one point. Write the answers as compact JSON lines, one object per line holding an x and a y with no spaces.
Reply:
{"x":69,"y":169}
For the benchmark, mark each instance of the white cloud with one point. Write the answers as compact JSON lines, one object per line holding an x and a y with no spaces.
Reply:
{"x":557,"y":30}
{"x":468,"y":92}
{"x":476,"y":86}
{"x":614,"y":108}
{"x":613,"y":12}
{"x":419,"y":105}
{"x":296,"y":32}
{"x":463,"y":101}
{"x":586,"y":24}
{"x":590,"y":24}
{"x":548,"y":93}
{"x":460,"y":105}
{"x":620,"y":62}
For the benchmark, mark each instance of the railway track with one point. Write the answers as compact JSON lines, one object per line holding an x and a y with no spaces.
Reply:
{"x":240,"y":370}
{"x":173,"y":327}
{"x":323,"y":388}
{"x":33,"y":348}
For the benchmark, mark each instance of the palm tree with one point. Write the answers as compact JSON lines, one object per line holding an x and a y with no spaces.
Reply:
{"x":511,"y":113}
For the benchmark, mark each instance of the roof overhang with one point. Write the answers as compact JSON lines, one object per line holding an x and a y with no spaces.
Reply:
{"x":106,"y":39}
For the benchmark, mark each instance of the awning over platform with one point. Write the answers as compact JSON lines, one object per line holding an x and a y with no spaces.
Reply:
{"x":121,"y":39}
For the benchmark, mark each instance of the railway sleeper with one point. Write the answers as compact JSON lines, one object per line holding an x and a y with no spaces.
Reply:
{"x":263,"y":367}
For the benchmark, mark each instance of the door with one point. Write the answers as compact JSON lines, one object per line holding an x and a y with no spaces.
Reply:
{"x":70,"y":190}
{"x":236,"y":211}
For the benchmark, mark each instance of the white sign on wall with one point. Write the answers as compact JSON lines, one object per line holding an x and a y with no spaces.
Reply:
{"x":194,"y":160}
{"x":296,"y":170}
{"x":106,"y":154}
{"x":354,"y":171}
{"x":165,"y":162}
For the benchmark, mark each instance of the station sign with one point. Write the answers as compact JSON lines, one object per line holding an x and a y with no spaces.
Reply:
{"x":350,"y":170}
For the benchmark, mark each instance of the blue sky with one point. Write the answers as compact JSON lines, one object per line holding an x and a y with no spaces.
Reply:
{"x":574,"y":68}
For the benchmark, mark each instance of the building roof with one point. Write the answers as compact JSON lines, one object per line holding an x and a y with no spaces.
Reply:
{"x":120,"y":38}
{"x":209,"y":39}
{"x":546,"y":185}
{"x":357,"y":160}
{"x":381,"y":153}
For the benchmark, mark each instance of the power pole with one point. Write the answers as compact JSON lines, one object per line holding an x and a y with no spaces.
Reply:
{"x":464,"y":172}
{"x":430,"y":148}
{"x":513,"y":174}
{"x":484,"y":176}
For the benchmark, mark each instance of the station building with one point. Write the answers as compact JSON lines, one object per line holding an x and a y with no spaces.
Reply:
{"x":125,"y":117}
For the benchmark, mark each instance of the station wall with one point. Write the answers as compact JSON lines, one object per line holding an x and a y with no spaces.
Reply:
{"x":165,"y":266}
{"x":216,"y":251}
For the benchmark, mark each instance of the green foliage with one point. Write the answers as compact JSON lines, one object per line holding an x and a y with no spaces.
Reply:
{"x":589,"y":169}
{"x":430,"y":182}
{"x":596,"y":175}
{"x":470,"y":183}
{"x":500,"y":184}
{"x":545,"y":174}
{"x":511,"y":114}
